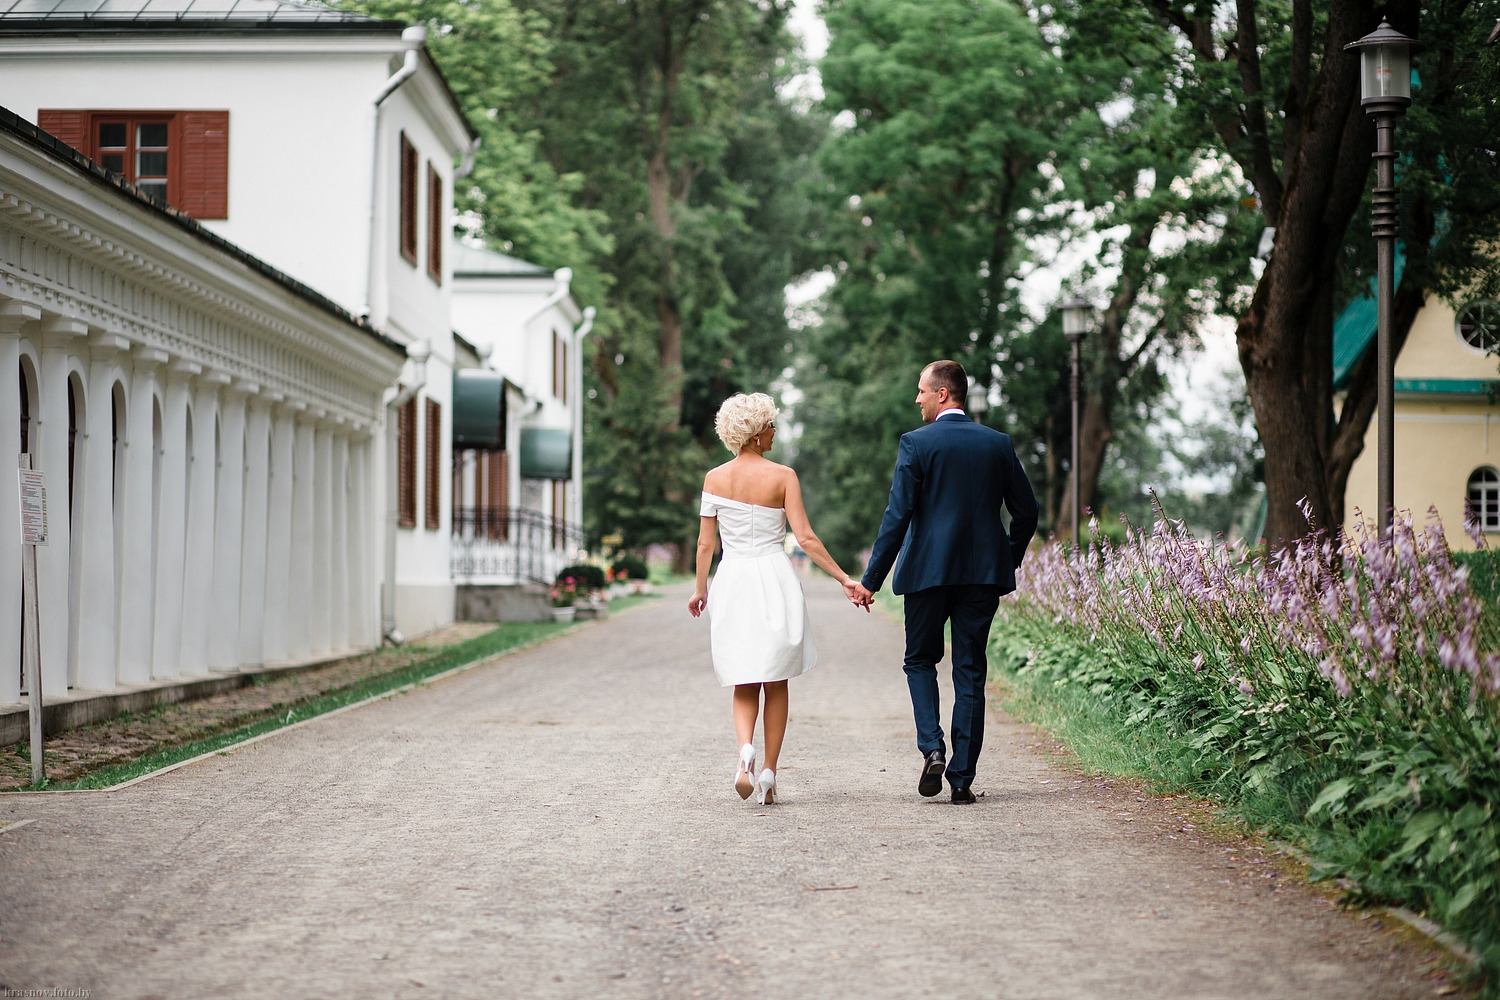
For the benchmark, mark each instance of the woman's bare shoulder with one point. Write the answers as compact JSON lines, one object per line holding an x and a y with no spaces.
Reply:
{"x":717,"y":477}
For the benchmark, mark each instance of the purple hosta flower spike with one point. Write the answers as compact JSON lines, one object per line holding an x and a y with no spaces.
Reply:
{"x":1473,"y":526}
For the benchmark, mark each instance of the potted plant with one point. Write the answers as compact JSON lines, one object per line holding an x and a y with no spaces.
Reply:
{"x":564,"y":596}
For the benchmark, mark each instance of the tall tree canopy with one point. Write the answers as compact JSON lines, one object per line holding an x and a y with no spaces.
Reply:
{"x":671,"y":111}
{"x":1279,"y":96}
{"x":646,"y":145}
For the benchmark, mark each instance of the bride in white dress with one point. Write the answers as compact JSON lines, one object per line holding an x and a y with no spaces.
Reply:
{"x":759,"y":631}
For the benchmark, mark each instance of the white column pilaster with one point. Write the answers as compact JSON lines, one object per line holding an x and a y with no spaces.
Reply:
{"x":338,"y":550}
{"x":251,"y":651}
{"x":279,"y":520}
{"x":12,"y":316}
{"x":299,"y":589}
{"x":55,"y":559}
{"x":319,"y":618}
{"x":94,"y":511}
{"x":361,"y":604}
{"x":171,"y":522}
{"x":138,"y":526}
{"x":198,"y":559}
{"x":229,"y":524}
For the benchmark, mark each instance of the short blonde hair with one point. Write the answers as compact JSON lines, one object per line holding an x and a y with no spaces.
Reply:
{"x":743,"y":416}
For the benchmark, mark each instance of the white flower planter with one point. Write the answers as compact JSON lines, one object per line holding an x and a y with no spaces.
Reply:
{"x":564,"y":614}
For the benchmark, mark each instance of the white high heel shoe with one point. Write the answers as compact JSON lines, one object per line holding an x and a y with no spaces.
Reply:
{"x":744,"y":781}
{"x":766,"y":794}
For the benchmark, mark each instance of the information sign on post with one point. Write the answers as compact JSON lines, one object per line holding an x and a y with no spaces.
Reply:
{"x":33,"y":533}
{"x":33,"y":506}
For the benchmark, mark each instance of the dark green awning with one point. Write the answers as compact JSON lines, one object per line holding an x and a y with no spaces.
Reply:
{"x":546,"y":453}
{"x":478,"y":409}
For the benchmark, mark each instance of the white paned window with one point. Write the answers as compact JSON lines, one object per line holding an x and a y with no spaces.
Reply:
{"x":1484,"y":497}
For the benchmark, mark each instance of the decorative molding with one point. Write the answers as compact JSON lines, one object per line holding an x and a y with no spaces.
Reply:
{"x":193,"y":304}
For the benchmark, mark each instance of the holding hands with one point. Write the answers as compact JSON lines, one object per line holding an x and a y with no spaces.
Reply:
{"x":858,"y":595}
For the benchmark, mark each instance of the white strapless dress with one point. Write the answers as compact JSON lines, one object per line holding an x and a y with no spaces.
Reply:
{"x":758,"y":625}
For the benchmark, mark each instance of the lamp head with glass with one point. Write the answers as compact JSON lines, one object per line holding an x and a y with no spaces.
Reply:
{"x":1385,"y":66}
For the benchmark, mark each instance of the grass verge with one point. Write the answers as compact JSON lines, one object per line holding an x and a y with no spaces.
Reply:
{"x":1168,"y":752}
{"x":502,"y":639}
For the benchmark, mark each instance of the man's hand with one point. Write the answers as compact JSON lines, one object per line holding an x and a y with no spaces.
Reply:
{"x":859,"y":596}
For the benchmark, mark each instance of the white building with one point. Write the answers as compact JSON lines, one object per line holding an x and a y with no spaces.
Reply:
{"x":322,"y":142}
{"x":210,"y":429}
{"x":527,"y":332}
{"x":309,"y":157}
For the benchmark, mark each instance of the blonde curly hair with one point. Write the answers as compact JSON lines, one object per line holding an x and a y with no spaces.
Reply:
{"x":743,"y":416}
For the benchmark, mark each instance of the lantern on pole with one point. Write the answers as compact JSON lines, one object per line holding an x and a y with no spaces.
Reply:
{"x":1385,"y":94}
{"x":1075,"y":322}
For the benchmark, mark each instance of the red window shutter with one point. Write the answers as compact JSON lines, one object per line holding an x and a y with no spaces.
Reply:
{"x":434,"y":463}
{"x":434,"y":225}
{"x":203,"y":164}
{"x":408,"y":200}
{"x":72,"y":127}
{"x":406,"y":464}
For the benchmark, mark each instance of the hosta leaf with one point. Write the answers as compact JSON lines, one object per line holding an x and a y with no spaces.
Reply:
{"x":1331,"y":797}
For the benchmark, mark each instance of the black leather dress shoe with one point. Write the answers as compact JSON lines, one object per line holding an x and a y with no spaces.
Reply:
{"x":964,"y":797}
{"x":932,"y":773}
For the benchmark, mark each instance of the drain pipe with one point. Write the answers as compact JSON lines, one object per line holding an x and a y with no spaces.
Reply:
{"x":564,"y":277}
{"x":576,"y":393}
{"x":413,"y":38}
{"x":418,"y":351}
{"x":466,"y":165}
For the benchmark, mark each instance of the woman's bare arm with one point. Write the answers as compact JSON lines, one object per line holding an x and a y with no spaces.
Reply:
{"x":708,"y":537}
{"x":796,"y":517}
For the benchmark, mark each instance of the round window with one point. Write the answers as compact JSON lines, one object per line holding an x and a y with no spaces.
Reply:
{"x":1479,"y":324}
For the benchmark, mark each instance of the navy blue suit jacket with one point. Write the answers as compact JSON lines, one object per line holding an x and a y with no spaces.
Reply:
{"x":952,"y":476}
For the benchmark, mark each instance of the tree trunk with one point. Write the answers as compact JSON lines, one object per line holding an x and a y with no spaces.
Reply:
{"x":1285,"y":339}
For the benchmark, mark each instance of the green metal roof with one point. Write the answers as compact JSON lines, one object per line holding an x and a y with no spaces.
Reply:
{"x":1354,"y":329}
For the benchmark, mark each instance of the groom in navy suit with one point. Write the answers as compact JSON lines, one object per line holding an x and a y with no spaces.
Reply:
{"x":956,"y":560}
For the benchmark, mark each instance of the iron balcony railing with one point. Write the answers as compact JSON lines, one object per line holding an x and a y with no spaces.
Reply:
{"x":511,"y":545}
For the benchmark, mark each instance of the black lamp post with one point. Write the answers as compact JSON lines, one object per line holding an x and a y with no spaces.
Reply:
{"x":1385,"y":93}
{"x":1075,"y":320}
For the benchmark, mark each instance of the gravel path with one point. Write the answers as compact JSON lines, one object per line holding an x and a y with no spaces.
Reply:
{"x":562,"y":824}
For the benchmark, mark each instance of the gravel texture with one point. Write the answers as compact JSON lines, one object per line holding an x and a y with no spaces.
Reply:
{"x":562,"y":824}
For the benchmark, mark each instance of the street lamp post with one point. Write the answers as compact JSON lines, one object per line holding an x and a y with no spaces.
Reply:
{"x":1385,"y":94}
{"x":1075,"y":314}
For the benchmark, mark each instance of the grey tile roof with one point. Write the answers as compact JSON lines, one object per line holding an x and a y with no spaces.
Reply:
{"x":116,"y":13}
{"x":478,"y":262}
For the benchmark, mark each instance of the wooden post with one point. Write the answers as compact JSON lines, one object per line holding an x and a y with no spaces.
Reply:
{"x":33,"y":532}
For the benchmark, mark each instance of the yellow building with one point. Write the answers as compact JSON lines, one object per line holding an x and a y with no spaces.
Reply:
{"x":1447,"y":447}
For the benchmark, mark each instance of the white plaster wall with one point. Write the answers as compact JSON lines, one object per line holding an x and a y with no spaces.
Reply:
{"x":299,"y":139}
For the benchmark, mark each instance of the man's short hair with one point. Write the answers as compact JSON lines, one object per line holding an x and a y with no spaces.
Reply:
{"x":949,"y":375}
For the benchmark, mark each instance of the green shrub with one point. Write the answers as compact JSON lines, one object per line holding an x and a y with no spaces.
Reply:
{"x":588,"y":577}
{"x":631,"y":567}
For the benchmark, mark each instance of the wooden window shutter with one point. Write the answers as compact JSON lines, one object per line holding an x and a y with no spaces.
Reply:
{"x":499,"y":493}
{"x":203,"y":164}
{"x":434,"y":464}
{"x":434,"y":225}
{"x":408,"y":200}
{"x":72,"y":127}
{"x":406,"y":464}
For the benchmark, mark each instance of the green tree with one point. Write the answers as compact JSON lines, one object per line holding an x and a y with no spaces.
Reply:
{"x":946,"y":109}
{"x":1279,"y":97}
{"x":670,"y":110}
